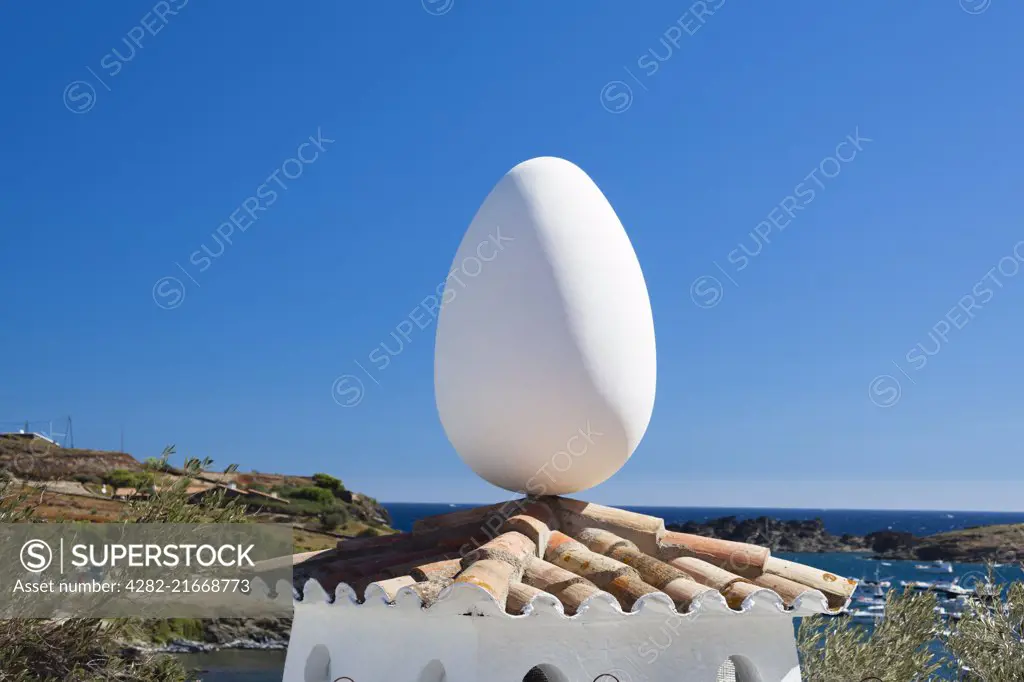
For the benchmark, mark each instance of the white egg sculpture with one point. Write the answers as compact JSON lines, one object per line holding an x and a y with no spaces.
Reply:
{"x":544,"y":363}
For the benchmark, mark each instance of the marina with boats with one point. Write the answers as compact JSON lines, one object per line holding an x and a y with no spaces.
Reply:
{"x":952,"y":593}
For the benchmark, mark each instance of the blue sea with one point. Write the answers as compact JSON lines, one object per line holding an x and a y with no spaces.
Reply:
{"x":256,"y":666}
{"x":837,"y":521}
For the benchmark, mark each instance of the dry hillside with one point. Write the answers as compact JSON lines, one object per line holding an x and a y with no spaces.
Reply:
{"x":41,"y":460}
{"x":65,"y":484}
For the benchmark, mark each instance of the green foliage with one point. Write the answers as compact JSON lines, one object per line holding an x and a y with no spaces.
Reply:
{"x":329,"y":482}
{"x":291,"y":506}
{"x":989,"y":639}
{"x":77,"y":650}
{"x":15,"y":506}
{"x":370,"y":532}
{"x":155,"y":463}
{"x":912,"y":644}
{"x":122,"y":478}
{"x":167,"y":630}
{"x":91,"y":649}
{"x":334,"y":519}
{"x":839,"y":650}
{"x":313,"y":494}
{"x":170,"y":504}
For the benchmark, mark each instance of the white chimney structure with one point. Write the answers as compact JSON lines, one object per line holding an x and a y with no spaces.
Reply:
{"x":545,"y":378}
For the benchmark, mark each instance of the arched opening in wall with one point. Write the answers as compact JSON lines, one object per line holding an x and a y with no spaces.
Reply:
{"x":434,"y":672}
{"x":545,"y":673}
{"x":737,"y":669}
{"x":318,"y":665}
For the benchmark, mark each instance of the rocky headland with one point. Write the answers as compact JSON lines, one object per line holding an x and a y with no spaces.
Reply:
{"x":983,"y":544}
{"x":779,"y":535}
{"x":1001,"y":544}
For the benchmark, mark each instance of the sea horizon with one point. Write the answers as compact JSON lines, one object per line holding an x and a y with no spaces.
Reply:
{"x":952,"y":510}
{"x":837,"y":521}
{"x":974,"y":496}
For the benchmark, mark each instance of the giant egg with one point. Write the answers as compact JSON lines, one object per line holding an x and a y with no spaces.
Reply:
{"x":544,"y":362}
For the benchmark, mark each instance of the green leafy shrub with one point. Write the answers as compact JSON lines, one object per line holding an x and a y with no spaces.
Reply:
{"x":987,"y":643}
{"x":312,"y":493}
{"x":167,"y":630}
{"x":333,"y":520}
{"x":913,"y":644}
{"x":838,"y":650}
{"x":328,"y":482}
{"x":122,"y":478}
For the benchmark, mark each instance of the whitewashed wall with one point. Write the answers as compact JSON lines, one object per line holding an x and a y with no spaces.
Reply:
{"x":465,"y":637}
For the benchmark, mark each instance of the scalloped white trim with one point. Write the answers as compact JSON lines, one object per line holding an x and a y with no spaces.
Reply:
{"x":283,"y":592}
{"x":466,"y":598}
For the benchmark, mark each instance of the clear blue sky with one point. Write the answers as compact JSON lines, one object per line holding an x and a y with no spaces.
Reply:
{"x":118,"y":167}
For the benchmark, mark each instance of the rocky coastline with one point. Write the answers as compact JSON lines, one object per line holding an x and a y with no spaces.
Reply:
{"x":1001,"y":544}
{"x":264,"y":634}
{"x":187,"y":646}
{"x":780,"y":536}
{"x":983,"y":544}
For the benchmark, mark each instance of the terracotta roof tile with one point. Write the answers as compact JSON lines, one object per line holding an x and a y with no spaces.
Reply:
{"x":513,"y":548}
{"x":531,"y":527}
{"x":571,"y":550}
{"x":678,"y":585}
{"x":570,"y":589}
{"x":787,"y":589}
{"x":737,"y":592}
{"x":706,"y":574}
{"x":492,"y":575}
{"x":438,"y":570}
{"x":520,"y":595}
{"x":737,"y":557}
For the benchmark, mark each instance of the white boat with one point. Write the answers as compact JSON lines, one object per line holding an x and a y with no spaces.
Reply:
{"x":866,"y":615}
{"x":952,"y":587}
{"x":876,"y":586}
{"x":935,"y":567}
{"x":869,"y":592}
